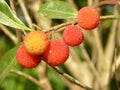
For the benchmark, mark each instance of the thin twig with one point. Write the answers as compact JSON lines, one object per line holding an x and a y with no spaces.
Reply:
{"x":90,"y":63}
{"x":110,"y":17}
{"x":90,"y":2}
{"x":105,"y":2}
{"x":12,"y":6}
{"x":36,"y":26}
{"x":42,"y":77}
{"x":70,"y":78}
{"x":40,"y":84}
{"x":25,"y":12}
{"x":60,"y":26}
{"x":9,"y":34}
{"x":114,"y":61}
{"x":18,"y":32}
{"x":26,"y":76}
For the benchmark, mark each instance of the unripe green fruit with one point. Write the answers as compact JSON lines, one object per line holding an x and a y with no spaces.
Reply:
{"x":25,"y":59}
{"x":57,"y":53}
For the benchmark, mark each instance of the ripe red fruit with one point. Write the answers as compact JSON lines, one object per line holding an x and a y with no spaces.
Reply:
{"x":72,"y":36}
{"x":36,"y":42}
{"x":88,"y":18}
{"x":25,"y":59}
{"x":57,"y":53}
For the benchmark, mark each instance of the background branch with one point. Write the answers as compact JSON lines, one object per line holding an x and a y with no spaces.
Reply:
{"x":9,"y":34}
{"x":73,"y":80}
{"x":26,"y":76}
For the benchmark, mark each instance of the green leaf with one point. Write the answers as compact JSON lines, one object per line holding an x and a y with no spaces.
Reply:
{"x":7,"y":62}
{"x":58,"y":10}
{"x":7,"y":17}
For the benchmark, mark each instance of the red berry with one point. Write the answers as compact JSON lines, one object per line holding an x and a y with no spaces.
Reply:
{"x":36,"y":42}
{"x":88,"y":18}
{"x":73,"y":36}
{"x":25,"y":59}
{"x":57,"y":53}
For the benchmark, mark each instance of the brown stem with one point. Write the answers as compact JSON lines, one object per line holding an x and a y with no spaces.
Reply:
{"x":18,"y":32}
{"x":26,"y":76}
{"x":71,"y":79}
{"x":63,"y":25}
{"x":9,"y":34}
{"x":105,"y":2}
{"x":60,"y":26}
{"x":90,"y":63}
{"x":114,"y":61}
{"x":26,"y":13}
{"x":43,"y":79}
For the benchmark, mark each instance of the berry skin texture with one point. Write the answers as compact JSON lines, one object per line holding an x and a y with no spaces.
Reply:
{"x":57,"y":53}
{"x":36,"y":42}
{"x":73,"y":36}
{"x":88,"y":18}
{"x":25,"y":59}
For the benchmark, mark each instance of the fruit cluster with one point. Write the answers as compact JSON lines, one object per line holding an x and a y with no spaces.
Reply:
{"x":37,"y":46}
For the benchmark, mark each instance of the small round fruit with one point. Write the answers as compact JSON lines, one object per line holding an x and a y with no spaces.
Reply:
{"x":88,"y":18}
{"x":73,"y":36}
{"x":36,"y":42}
{"x":25,"y":59}
{"x":57,"y":53}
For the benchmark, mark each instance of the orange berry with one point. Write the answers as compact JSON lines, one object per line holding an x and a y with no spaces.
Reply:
{"x":88,"y":18}
{"x":36,"y":42}
{"x":25,"y":59}
{"x":57,"y":53}
{"x":73,"y":36}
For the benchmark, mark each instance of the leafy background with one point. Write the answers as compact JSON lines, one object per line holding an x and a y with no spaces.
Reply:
{"x":57,"y":12}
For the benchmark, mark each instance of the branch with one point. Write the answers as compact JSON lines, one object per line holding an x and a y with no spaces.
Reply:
{"x":110,"y":17}
{"x":18,"y":32}
{"x":35,"y":81}
{"x":105,"y":2}
{"x":26,"y":76}
{"x":55,"y":28}
{"x":25,"y":12}
{"x":116,"y":67}
{"x":43,"y":79}
{"x":63,"y":25}
{"x":12,"y":6}
{"x":70,"y":78}
{"x":90,"y":63}
{"x":9,"y":34}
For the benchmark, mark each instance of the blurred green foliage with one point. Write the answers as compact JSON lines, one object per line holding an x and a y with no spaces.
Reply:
{"x":15,"y":82}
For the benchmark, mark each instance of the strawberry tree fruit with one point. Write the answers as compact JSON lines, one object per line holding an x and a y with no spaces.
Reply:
{"x":57,"y":53}
{"x":36,"y":42}
{"x":73,"y":36}
{"x":88,"y":18}
{"x":25,"y":59}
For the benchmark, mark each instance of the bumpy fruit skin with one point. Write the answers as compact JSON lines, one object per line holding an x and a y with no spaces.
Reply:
{"x":36,"y":42}
{"x":25,"y":59}
{"x":88,"y":18}
{"x":57,"y":53}
{"x":73,"y":36}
